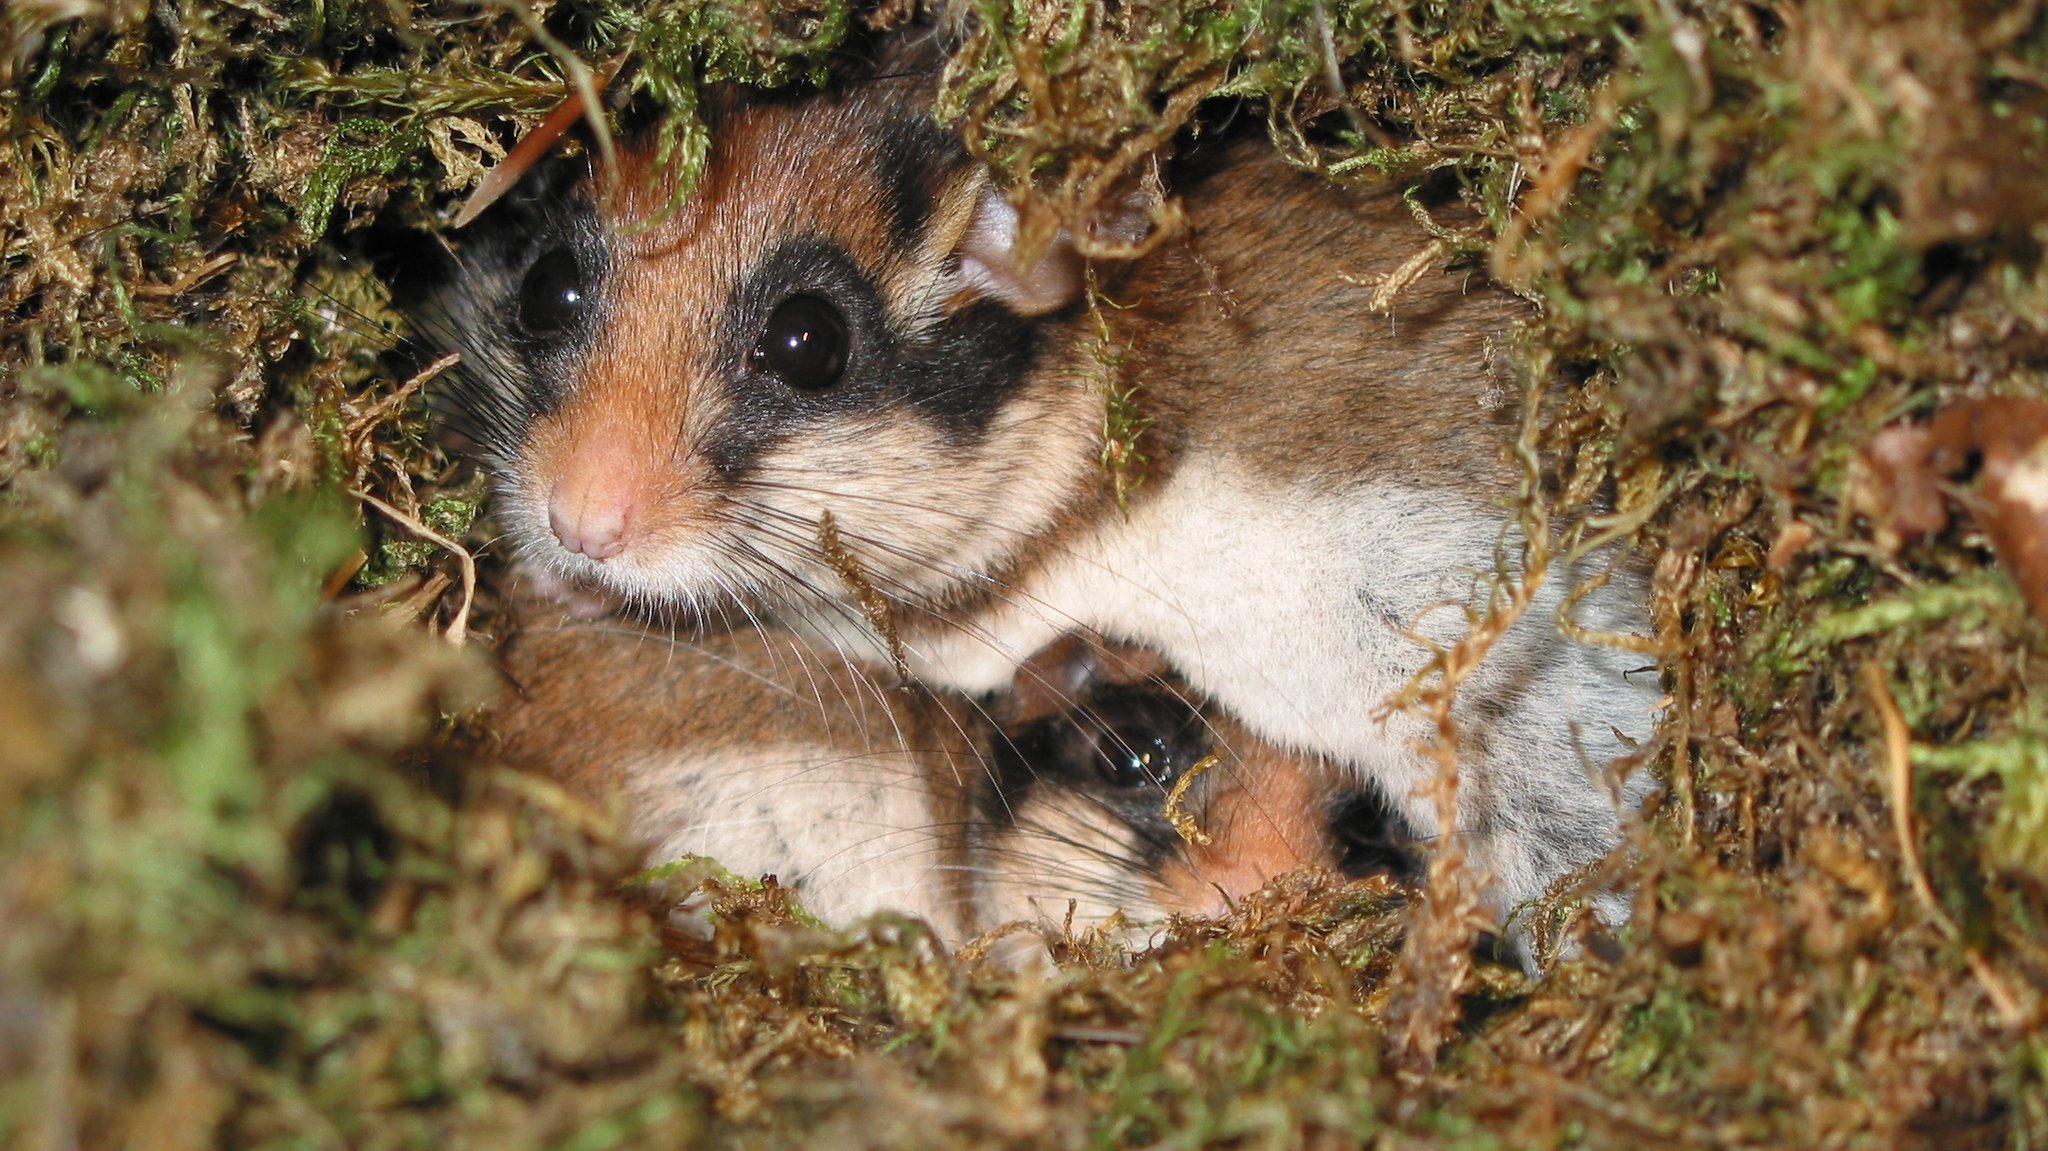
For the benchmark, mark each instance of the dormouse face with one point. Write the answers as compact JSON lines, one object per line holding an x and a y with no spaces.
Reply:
{"x":1076,"y":807}
{"x":673,"y":400}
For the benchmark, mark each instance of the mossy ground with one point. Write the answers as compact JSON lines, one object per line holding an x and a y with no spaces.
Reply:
{"x":244,"y":905}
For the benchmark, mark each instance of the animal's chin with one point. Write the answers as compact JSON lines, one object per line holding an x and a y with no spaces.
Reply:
{"x":577,"y":598}
{"x":657,"y":582}
{"x":698,"y":574}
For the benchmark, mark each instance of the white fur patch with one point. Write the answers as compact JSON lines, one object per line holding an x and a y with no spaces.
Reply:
{"x":853,"y":835}
{"x":1288,"y":607}
{"x":1060,"y":853}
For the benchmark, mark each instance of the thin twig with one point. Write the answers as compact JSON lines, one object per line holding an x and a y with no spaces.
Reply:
{"x":586,"y":83}
{"x":1183,"y":823}
{"x":191,"y":279}
{"x":377,"y":411}
{"x":1899,"y":785}
{"x":872,"y":603}
{"x":458,"y":629}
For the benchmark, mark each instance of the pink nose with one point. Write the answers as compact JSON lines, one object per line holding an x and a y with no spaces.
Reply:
{"x":593,"y":528}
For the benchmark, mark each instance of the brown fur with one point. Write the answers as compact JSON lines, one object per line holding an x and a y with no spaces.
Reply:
{"x":607,"y":708}
{"x":1327,"y":409}
{"x":614,"y":712}
{"x":1256,"y":334}
{"x":637,"y":426}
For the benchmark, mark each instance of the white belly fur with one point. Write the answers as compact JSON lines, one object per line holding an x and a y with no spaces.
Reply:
{"x":1287,"y":607}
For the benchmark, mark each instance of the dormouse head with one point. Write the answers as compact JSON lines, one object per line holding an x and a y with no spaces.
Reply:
{"x":833,"y":322}
{"x":1127,"y":796}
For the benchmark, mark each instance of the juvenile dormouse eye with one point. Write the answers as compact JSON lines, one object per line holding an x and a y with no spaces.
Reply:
{"x":804,"y":343}
{"x":1132,"y":760}
{"x":1145,"y":740}
{"x":554,"y":294}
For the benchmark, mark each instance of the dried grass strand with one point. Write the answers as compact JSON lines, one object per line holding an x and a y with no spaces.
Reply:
{"x":1899,"y":789}
{"x":458,"y":628}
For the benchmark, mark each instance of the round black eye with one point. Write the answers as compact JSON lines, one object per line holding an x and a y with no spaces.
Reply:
{"x":1131,"y":760}
{"x":554,"y":294}
{"x":1145,"y":740}
{"x":804,"y":343}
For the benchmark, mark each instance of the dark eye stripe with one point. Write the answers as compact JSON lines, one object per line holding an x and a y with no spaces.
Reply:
{"x":953,"y":378}
{"x":1143,"y":740}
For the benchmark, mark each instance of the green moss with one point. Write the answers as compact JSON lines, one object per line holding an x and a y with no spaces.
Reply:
{"x":1965,"y":604}
{"x":1756,"y":233}
{"x":1670,"y":1024}
{"x":400,"y":553}
{"x":359,"y":147}
{"x":2018,"y":760}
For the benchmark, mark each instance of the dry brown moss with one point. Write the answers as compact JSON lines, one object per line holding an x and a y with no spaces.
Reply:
{"x":241,"y":909}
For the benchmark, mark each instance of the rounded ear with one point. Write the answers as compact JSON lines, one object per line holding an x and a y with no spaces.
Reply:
{"x":989,"y":260}
{"x":1049,"y":683}
{"x":1060,"y":675}
{"x":1123,"y":226}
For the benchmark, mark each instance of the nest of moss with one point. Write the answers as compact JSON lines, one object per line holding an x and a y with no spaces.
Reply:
{"x":247,"y":903}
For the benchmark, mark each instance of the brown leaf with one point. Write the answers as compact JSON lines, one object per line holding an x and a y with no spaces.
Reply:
{"x":2002,"y":443}
{"x":1895,"y":486}
{"x":2008,"y":437}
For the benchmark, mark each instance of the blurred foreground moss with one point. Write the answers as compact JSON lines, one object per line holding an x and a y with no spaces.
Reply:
{"x":246,"y":901}
{"x":235,"y":911}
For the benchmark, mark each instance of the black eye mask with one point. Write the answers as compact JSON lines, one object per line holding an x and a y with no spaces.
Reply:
{"x":1127,"y":739}
{"x":1125,"y":747}
{"x":1120,"y":747}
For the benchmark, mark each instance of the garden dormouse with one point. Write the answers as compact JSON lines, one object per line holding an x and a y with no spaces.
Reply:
{"x":822,"y":389}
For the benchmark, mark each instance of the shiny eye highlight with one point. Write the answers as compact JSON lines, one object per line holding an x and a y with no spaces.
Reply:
{"x":1144,"y":740}
{"x":804,"y":344}
{"x":555,"y":294}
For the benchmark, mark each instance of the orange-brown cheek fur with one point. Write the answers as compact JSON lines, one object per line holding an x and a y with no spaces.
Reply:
{"x":1269,"y":819}
{"x":618,"y":446}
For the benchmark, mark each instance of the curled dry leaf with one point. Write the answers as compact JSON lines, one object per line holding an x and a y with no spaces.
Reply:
{"x":1895,"y":486}
{"x":1907,"y":474}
